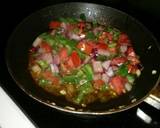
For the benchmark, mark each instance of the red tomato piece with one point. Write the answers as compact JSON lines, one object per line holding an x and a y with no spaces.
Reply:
{"x":75,"y":59}
{"x":102,"y":46}
{"x":118,"y":60}
{"x":130,"y":52}
{"x":117,"y":83}
{"x":109,"y":36}
{"x":123,"y":39}
{"x":98,"y":84}
{"x":85,"y":47}
{"x":47,"y":48}
{"x":81,"y":26}
{"x":63,"y":54}
{"x":49,"y":76}
{"x":54,"y":24}
{"x":132,"y":68}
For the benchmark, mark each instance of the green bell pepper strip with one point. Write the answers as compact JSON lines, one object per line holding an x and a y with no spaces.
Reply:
{"x":43,"y":64}
{"x":131,"y":78}
{"x":112,"y":45}
{"x":43,"y":82}
{"x":90,"y":35}
{"x":87,"y":69}
{"x":83,"y":90}
{"x":123,"y":70}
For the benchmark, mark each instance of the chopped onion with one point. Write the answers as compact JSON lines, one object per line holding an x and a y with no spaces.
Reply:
{"x":123,"y":48}
{"x":54,"y":68}
{"x":76,"y":36}
{"x":97,"y":66}
{"x":103,"y":52}
{"x":138,"y":73}
{"x":37,"y":42}
{"x":110,"y":72}
{"x":56,"y":60}
{"x":47,"y":57}
{"x":105,"y":78}
{"x":36,"y":69}
{"x":128,"y":86}
{"x":106,"y":64}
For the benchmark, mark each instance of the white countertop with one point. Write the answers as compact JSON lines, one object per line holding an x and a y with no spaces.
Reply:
{"x":11,"y":116}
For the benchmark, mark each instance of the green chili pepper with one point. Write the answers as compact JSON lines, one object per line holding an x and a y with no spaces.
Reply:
{"x":87,"y":69}
{"x":104,"y":88}
{"x":91,"y":36}
{"x":123,"y":70}
{"x":112,"y":45}
{"x":83,"y":90}
{"x":43,"y":64}
{"x":130,"y":78}
{"x":70,"y":79}
{"x":43,"y":82}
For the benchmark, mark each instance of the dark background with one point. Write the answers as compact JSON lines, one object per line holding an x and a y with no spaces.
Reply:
{"x":13,"y":12}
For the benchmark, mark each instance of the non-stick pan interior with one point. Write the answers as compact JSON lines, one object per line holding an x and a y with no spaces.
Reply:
{"x":144,"y":43}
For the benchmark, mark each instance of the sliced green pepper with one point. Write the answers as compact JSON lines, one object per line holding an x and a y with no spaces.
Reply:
{"x":43,"y":82}
{"x":70,"y":79}
{"x":104,"y":88}
{"x":83,"y":90}
{"x":123,"y":70}
{"x":112,"y":45}
{"x":43,"y":64}
{"x":91,"y":36}
{"x":130,"y":78}
{"x":87,"y":69}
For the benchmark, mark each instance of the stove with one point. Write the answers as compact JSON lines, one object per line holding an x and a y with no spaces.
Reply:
{"x":143,"y":115}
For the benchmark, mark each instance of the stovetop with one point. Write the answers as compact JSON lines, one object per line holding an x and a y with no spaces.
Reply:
{"x":45,"y":117}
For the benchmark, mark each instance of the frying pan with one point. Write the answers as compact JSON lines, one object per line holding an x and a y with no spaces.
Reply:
{"x":144,"y":44}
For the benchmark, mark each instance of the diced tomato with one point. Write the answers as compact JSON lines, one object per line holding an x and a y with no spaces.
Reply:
{"x":47,"y":48}
{"x":85,"y":47}
{"x":117,"y":83}
{"x":118,"y":60}
{"x":106,"y":35}
{"x":130,"y":52}
{"x":69,"y":63}
{"x":123,"y":39}
{"x":63,"y":54}
{"x":102,"y":46}
{"x":109,"y":36}
{"x":49,"y":76}
{"x":98,"y":84}
{"x":134,"y":60}
{"x":75,"y":59}
{"x":132,"y":68}
{"x":81,"y":26}
{"x":54,"y":24}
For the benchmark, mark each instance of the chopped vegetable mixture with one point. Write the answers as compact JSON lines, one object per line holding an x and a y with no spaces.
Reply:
{"x":84,"y":61}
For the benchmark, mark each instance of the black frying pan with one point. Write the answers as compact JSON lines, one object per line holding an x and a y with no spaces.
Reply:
{"x":144,"y":43}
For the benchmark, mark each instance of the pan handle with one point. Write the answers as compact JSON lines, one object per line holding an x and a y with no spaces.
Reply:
{"x":153,"y":101}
